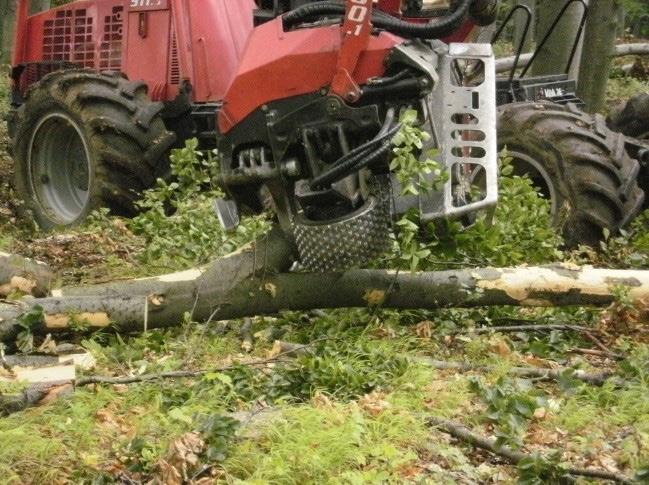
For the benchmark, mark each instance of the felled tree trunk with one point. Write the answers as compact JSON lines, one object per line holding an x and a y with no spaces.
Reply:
{"x":505,"y":64}
{"x":254,"y":281}
{"x":23,"y":275}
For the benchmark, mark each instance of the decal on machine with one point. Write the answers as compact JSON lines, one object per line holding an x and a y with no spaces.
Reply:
{"x":144,"y":5}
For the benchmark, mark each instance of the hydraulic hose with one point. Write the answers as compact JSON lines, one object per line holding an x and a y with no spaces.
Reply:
{"x":433,"y":30}
{"x":364,"y":156}
{"x":357,"y":152}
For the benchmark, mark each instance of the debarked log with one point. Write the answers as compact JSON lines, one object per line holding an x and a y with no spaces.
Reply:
{"x":254,"y":281}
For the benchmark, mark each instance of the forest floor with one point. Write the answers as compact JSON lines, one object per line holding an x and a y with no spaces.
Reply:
{"x":355,"y":407}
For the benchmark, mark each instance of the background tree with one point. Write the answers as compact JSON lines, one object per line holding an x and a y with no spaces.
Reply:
{"x":599,"y":44}
{"x":553,"y":57}
{"x":8,"y":24}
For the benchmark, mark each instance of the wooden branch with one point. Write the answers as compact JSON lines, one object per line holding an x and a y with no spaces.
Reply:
{"x":526,"y":328}
{"x":463,"y":433}
{"x":181,"y":374}
{"x":23,"y":275}
{"x":596,"y":379}
{"x":505,"y":64}
{"x":251,"y":282}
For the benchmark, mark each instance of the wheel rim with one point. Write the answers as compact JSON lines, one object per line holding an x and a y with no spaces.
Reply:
{"x":59,"y":167}
{"x":526,"y":165}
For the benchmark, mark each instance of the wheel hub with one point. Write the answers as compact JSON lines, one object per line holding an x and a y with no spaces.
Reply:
{"x":59,"y":167}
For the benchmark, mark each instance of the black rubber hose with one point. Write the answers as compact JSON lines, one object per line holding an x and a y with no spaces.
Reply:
{"x":350,"y":164}
{"x":360,"y":150}
{"x":431,"y":30}
{"x":371,"y":157}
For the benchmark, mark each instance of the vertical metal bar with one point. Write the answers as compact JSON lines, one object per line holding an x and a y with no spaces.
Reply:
{"x":580,"y":31}
{"x":519,"y":50}
{"x":180,"y":14}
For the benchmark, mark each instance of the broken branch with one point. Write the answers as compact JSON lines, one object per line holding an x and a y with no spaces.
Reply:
{"x":505,"y":64}
{"x":526,"y":328}
{"x":596,"y":379}
{"x":463,"y":433}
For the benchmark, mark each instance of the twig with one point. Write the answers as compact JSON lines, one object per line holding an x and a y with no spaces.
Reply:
{"x":85,"y":381}
{"x":585,"y":331}
{"x":603,"y":347}
{"x":595,"y":379}
{"x":526,"y":328}
{"x":598,"y":353}
{"x":463,"y":433}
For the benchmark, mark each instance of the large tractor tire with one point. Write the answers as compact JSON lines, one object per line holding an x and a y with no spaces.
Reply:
{"x":84,"y":140}
{"x":577,"y":163}
{"x":632,"y":118}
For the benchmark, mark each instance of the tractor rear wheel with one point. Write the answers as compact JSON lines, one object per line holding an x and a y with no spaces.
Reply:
{"x":577,"y":163}
{"x":84,"y":140}
{"x":632,"y":118}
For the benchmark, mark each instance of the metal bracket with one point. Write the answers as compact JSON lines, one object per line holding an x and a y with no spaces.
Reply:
{"x":464,"y":124}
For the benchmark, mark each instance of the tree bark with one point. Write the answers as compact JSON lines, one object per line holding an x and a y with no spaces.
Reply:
{"x":253,"y":281}
{"x":26,"y":275}
{"x":8,"y":10}
{"x":599,"y":45}
{"x":554,"y":55}
{"x":37,"y":6}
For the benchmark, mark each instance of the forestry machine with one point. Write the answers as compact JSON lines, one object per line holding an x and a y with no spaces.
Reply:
{"x":301,"y":99}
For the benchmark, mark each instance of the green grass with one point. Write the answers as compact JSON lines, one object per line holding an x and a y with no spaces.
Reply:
{"x":353,"y":409}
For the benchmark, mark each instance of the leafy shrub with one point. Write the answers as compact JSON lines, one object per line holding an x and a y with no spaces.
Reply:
{"x":510,"y":405}
{"x":520,"y":232}
{"x":178,"y":220}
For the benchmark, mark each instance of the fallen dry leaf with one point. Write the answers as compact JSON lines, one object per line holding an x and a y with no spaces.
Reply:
{"x":374,"y":297}
{"x":374,"y":403}
{"x":499,"y":346}
{"x":176,"y":468}
{"x":321,"y":401}
{"x":271,"y":289}
{"x":424,"y":329}
{"x":540,"y":413}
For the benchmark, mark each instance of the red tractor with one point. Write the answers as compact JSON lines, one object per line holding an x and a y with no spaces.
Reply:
{"x":301,"y":98}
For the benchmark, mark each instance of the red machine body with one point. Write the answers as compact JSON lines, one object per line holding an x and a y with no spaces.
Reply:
{"x":210,"y":44}
{"x":161,"y":42}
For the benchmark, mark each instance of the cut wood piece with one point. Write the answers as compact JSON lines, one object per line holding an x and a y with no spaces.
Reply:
{"x":24,"y":276}
{"x":83,"y":360}
{"x":40,"y":381}
{"x":42,"y":375}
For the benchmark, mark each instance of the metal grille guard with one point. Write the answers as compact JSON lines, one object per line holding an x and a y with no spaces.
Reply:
{"x":463,"y":123}
{"x":466,"y":134}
